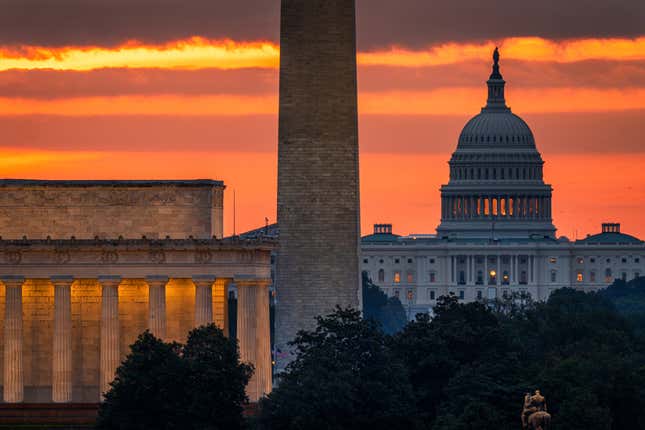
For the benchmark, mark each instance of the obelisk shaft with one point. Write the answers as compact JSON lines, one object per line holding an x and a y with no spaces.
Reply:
{"x":318,"y":177}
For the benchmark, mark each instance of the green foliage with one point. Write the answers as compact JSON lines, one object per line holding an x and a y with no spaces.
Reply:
{"x":470,"y":365}
{"x":387,"y":311}
{"x":171,"y":386}
{"x":344,"y":377}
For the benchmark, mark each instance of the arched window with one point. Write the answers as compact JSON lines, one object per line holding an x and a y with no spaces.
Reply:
{"x":381,"y":275}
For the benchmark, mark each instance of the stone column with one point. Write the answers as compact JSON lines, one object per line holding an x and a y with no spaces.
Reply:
{"x":62,"y":350}
{"x":157,"y":305}
{"x":253,"y":333}
{"x":13,"y":371}
{"x":110,"y":359}
{"x":203,"y":299}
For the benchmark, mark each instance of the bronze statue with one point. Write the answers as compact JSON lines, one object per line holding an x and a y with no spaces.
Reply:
{"x":534,"y":414}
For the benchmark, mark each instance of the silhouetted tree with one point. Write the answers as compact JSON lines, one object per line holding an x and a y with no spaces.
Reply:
{"x":387,"y":311}
{"x":344,"y":376}
{"x":170,"y":386}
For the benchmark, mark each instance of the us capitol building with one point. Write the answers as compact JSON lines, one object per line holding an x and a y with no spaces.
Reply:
{"x":496,"y":234}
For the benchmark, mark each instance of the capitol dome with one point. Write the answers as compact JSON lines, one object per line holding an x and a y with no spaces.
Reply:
{"x":496,"y":187}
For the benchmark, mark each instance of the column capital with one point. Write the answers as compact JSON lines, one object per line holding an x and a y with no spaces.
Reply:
{"x":61,"y":280}
{"x":157,"y":280}
{"x":13,"y":281}
{"x":203,"y":280}
{"x":109,"y":281}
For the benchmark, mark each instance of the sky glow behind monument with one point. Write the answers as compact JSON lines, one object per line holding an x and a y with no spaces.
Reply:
{"x":203,"y":99}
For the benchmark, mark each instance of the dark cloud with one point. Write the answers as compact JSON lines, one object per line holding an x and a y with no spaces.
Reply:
{"x":50,"y":84}
{"x":418,"y":23}
{"x":414,"y":23}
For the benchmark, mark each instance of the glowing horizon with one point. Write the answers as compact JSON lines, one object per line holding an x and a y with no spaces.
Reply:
{"x":198,"y":52}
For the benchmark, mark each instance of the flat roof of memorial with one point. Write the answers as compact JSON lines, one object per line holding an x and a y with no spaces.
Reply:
{"x":110,"y":183}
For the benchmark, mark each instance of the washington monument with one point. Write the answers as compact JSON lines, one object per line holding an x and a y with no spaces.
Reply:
{"x":318,"y":180}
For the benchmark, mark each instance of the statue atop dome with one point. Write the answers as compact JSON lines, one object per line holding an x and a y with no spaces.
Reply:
{"x":496,"y":74}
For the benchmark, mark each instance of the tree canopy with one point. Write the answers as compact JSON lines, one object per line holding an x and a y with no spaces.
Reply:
{"x":162,"y":385}
{"x":387,"y":311}
{"x":469,"y":366}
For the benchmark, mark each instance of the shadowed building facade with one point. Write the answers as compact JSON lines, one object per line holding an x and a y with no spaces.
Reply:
{"x":318,"y":182}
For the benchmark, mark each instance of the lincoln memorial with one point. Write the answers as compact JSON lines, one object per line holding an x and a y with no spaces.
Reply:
{"x":86,"y":266}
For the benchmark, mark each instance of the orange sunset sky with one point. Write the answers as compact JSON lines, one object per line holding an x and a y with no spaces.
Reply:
{"x":189,"y":89}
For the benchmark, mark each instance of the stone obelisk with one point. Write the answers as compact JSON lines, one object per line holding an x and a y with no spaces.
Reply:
{"x":318,"y":177}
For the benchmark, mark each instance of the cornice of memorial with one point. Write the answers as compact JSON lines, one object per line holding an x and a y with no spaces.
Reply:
{"x":62,"y":247}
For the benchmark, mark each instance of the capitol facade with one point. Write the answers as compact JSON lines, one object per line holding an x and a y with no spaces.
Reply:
{"x":496,"y":235}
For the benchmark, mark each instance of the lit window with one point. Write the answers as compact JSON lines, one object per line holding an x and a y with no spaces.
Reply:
{"x":553,"y":260}
{"x":579,"y":277}
{"x":581,"y":260}
{"x":505,"y":278}
{"x":410,"y":277}
{"x":433,"y":277}
{"x":492,"y":277}
{"x":432,"y":294}
{"x":397,"y":277}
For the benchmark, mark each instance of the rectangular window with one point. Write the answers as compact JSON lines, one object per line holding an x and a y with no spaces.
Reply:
{"x":580,"y":260}
{"x":397,"y":277}
{"x":592,"y":276}
{"x":432,"y":295}
{"x":432,"y":261}
{"x":410,"y":278}
{"x":553,"y":260}
{"x":365,"y":261}
{"x":579,"y":277}
{"x":462,"y":294}
{"x":624,"y":276}
{"x":433,"y":277}
{"x":479,"y":294}
{"x":397,"y":293}
{"x":554,"y":275}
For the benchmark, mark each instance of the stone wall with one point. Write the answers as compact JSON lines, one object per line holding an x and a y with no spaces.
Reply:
{"x":109,"y":209}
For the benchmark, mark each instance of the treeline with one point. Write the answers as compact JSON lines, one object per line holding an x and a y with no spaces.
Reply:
{"x":470,"y":365}
{"x":467,"y":368}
